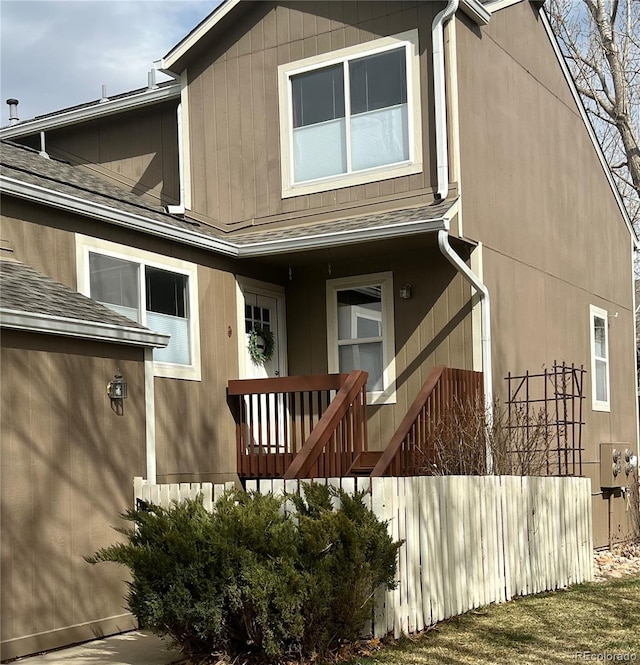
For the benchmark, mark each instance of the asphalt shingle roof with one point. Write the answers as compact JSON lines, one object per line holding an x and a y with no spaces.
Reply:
{"x":26,"y":165}
{"x":24,"y":289}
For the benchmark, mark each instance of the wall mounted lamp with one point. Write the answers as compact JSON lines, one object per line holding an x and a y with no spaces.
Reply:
{"x":117,"y":390}
{"x":405,"y":291}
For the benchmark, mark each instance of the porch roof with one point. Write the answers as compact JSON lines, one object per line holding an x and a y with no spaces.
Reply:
{"x":34,"y":302}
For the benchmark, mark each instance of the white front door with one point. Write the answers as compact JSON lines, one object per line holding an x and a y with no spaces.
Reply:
{"x":261,"y":308}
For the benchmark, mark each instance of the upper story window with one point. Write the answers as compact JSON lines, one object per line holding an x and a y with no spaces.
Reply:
{"x":360,"y":331}
{"x":156,"y":291}
{"x":599,"y":359}
{"x":351,"y":116}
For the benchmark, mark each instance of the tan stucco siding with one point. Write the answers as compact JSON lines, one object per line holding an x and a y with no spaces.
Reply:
{"x":234,"y":115}
{"x":66,"y":474}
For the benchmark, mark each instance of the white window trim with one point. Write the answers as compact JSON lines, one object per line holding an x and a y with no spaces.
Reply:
{"x":385,"y":280}
{"x":86,"y":244}
{"x":412,"y":166}
{"x":596,"y":404}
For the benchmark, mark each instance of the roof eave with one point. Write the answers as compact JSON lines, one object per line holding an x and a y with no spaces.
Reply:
{"x":472,"y":8}
{"x":81,"y":329}
{"x":98,"y":110}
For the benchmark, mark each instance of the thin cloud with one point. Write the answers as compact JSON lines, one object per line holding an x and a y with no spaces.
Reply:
{"x":58,"y":53}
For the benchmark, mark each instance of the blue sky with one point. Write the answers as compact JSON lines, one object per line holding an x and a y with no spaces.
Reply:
{"x":58,"y":53}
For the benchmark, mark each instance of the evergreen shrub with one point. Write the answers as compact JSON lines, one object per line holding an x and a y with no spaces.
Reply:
{"x":248,"y":579}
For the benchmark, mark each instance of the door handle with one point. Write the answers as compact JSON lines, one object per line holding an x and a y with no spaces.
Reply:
{"x":277,"y":372}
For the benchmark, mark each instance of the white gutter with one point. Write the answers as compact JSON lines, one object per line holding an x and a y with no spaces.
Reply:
{"x":165,"y":230}
{"x":440,"y":97}
{"x":485,"y":309}
{"x":80,"y":328}
{"x":97,"y":110}
{"x":179,"y":209}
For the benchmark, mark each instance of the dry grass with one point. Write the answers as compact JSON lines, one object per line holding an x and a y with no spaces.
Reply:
{"x":560,"y":627}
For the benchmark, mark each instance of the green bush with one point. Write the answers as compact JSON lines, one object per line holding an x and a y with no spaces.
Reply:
{"x":246,"y":579}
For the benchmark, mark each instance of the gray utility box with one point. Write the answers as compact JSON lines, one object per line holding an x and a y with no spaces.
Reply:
{"x":616,"y":464}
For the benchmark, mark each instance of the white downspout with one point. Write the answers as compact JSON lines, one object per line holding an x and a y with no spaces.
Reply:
{"x":440,"y":97}
{"x":442,"y":163}
{"x":485,"y":313}
{"x":179,"y":209}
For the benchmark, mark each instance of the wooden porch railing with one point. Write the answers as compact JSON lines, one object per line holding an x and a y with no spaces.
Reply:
{"x":277,"y":418}
{"x":405,"y":454}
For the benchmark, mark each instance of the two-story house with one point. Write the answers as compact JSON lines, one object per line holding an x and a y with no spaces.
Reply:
{"x":323,"y":187}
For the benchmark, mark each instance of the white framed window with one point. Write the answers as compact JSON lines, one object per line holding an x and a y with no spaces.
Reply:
{"x":360,"y":332}
{"x":159,"y":292}
{"x":599,"y":331}
{"x":351,"y":116}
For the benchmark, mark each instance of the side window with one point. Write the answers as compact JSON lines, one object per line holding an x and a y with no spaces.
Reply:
{"x":157,"y":292}
{"x":599,"y":322}
{"x":351,"y":116}
{"x":360,"y":331}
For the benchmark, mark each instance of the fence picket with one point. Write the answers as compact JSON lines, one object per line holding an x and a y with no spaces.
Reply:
{"x":469,"y":541}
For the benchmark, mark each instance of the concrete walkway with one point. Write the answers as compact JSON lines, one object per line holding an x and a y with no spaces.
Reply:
{"x":135,"y":648}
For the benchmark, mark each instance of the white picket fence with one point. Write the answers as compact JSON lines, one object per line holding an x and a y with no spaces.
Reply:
{"x":469,"y":540}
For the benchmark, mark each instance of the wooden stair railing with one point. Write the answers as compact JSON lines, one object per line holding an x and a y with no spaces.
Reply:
{"x":338,"y":437}
{"x":276,"y":416}
{"x":404,"y":456}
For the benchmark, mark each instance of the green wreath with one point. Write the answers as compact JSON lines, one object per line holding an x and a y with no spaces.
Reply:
{"x":261,"y":355}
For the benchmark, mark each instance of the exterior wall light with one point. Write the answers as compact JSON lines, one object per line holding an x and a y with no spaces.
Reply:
{"x":405,"y":291}
{"x":117,"y":391}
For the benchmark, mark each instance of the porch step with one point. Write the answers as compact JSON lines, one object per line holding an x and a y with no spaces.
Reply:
{"x":364,"y":463}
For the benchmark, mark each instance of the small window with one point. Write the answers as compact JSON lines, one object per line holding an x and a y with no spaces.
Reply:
{"x":600,"y":359}
{"x":360,"y":331}
{"x":351,"y":116}
{"x":153,"y":290}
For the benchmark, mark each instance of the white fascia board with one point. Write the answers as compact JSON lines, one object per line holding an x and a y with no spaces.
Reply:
{"x":588,"y":125}
{"x":497,"y":5}
{"x":197,"y":34}
{"x":94,"y":210}
{"x":476,"y":11}
{"x":319,"y":241}
{"x":99,"y":211}
{"x":98,"y":110}
{"x":82,"y":329}
{"x":473,"y":8}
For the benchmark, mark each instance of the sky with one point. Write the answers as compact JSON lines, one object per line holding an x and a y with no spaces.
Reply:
{"x":58,"y":53}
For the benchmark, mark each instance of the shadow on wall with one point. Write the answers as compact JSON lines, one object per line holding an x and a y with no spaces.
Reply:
{"x":67,"y":466}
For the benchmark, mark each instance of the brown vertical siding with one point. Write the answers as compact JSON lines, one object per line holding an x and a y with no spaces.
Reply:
{"x":66,"y":473}
{"x":139,"y":150}
{"x":233,"y":104}
{"x":535,"y":194}
{"x":433,"y":327}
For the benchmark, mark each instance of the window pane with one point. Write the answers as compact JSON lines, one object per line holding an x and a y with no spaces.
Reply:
{"x":600,"y":337}
{"x":380,"y":137}
{"x":360,"y":312}
{"x":364,"y":356}
{"x":319,"y":151}
{"x":114,"y":282}
{"x":318,"y":96}
{"x":378,"y":81}
{"x":601,"y":381}
{"x":178,"y":349}
{"x":166,"y":292}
